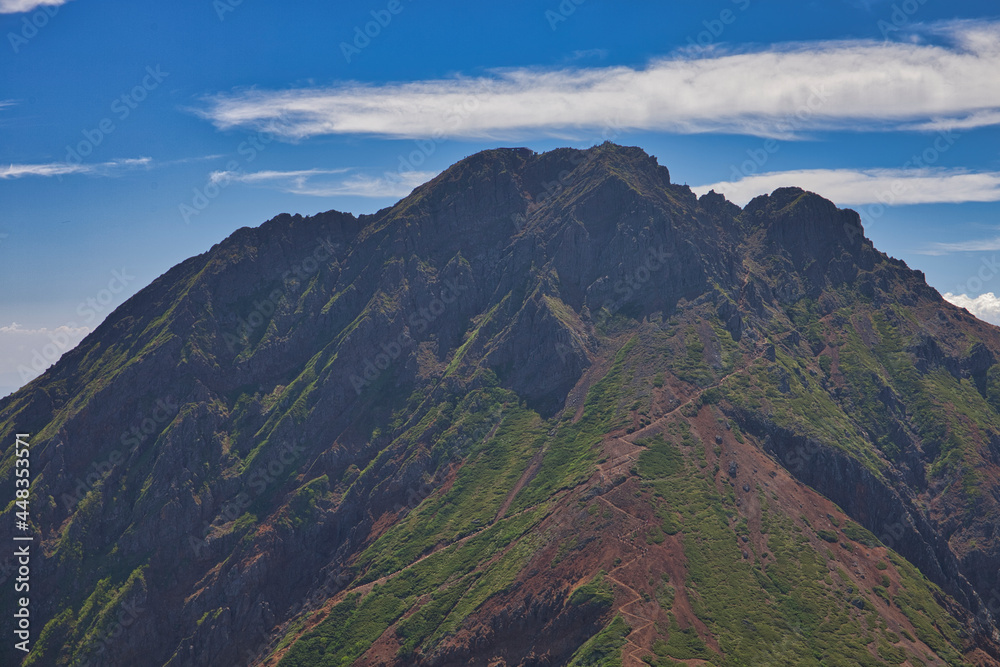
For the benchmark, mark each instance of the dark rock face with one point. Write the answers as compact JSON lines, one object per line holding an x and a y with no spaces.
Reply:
{"x":224,"y":446}
{"x":512,"y":630}
{"x":889,"y":513}
{"x":805,"y":225}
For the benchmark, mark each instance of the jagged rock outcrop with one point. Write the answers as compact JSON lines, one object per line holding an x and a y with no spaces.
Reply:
{"x":549,"y":407}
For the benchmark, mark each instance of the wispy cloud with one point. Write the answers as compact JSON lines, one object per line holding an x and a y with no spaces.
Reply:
{"x":16,"y":329}
{"x":305,"y":182}
{"x":65,"y":168}
{"x":296,"y":178}
{"x":853,"y":187}
{"x":950,"y":248}
{"x":970,"y":122}
{"x":786,"y":91}
{"x":985,"y":306}
{"x":189,"y":160}
{"x":19,"y":6}
{"x":586,"y":54}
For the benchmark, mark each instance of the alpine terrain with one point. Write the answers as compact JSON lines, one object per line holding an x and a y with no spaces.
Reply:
{"x":549,"y":409}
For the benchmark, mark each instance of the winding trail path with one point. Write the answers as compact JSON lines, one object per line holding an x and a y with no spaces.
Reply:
{"x":632,"y":650}
{"x":529,"y":473}
{"x":637,"y":597}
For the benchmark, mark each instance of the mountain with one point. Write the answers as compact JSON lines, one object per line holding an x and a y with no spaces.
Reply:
{"x":549,"y":409}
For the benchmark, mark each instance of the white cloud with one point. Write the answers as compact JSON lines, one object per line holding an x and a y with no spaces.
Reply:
{"x":302,"y":182}
{"x":783,"y":91}
{"x":65,"y":168}
{"x":974,"y":245}
{"x":854,"y":187}
{"x":296,"y":177}
{"x":985,"y":306}
{"x":189,"y":160}
{"x":16,"y":329}
{"x":19,"y":6}
{"x":970,"y":122}
{"x":49,"y":169}
{"x":26,"y":353}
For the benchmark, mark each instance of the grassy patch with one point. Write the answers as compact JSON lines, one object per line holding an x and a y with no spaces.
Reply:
{"x":603,"y":649}
{"x":596,"y":591}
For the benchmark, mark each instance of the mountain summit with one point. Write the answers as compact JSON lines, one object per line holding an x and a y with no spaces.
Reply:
{"x":549,"y":409}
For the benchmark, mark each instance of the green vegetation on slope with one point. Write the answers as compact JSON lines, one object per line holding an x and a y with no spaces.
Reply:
{"x":486,"y":552}
{"x":605,"y":648}
{"x":768,"y":608}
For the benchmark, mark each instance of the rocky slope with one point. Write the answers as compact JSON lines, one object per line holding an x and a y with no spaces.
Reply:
{"x":549,"y":409}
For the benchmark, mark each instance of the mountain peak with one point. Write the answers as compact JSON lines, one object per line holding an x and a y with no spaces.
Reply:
{"x":806,"y":224}
{"x":549,"y":408}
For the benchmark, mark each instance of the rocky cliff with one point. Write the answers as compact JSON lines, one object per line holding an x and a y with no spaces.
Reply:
{"x":548,"y":409}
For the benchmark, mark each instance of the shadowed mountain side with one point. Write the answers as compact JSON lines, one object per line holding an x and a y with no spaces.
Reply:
{"x":547,"y":409}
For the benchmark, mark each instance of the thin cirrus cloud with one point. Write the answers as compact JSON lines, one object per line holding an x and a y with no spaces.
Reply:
{"x":856,"y":187}
{"x":318,"y":182}
{"x":19,"y":6}
{"x":784,"y":91}
{"x":49,"y":169}
{"x":950,"y":248}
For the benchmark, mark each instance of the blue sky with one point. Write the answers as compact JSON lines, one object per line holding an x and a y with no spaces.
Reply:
{"x":134,"y":135}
